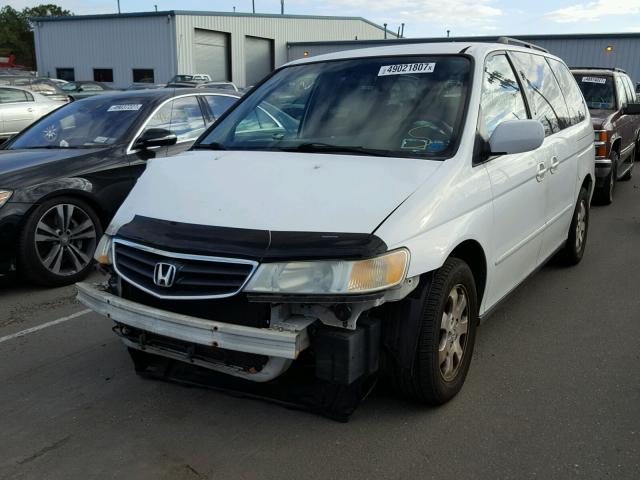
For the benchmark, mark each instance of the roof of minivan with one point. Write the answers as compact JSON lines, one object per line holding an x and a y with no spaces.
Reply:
{"x":437,"y":48}
{"x":594,"y":71}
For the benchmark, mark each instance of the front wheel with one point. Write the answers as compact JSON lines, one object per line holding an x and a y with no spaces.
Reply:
{"x":448,"y":321}
{"x":58,"y":241}
{"x":577,"y":239}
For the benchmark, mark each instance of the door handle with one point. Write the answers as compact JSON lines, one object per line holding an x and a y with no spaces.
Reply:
{"x":554,"y":164}
{"x":542,"y":169}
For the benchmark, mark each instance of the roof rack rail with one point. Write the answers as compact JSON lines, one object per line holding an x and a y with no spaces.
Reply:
{"x":611,"y":69}
{"x":520,"y":43}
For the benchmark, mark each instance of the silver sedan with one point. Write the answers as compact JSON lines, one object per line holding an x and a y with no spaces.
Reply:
{"x":19,"y":108}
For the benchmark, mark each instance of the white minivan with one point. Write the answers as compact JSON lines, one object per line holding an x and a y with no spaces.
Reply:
{"x":356,"y":212}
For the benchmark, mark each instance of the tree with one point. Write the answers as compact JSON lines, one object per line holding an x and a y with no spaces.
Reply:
{"x":16,"y":34}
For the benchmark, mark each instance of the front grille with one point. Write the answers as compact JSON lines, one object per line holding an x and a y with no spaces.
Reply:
{"x":182,"y":276}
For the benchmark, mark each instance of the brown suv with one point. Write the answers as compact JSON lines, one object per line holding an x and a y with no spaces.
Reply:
{"x":615,"y":113}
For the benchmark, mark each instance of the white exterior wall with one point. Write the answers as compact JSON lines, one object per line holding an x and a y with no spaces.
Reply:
{"x":279,"y":29}
{"x":163,"y":41}
{"x":121,"y":44}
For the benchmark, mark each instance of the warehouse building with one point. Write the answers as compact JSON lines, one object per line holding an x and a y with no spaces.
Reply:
{"x":153,"y":47}
{"x":620,"y":50}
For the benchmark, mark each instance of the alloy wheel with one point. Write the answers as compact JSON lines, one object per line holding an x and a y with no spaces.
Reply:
{"x":65,"y":239}
{"x":581,"y":225}
{"x":453,"y":332}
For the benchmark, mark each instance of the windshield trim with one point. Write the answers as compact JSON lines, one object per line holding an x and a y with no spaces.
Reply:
{"x":463,"y":119}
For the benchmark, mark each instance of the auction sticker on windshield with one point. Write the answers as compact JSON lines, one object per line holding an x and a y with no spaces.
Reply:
{"x":127,"y":107}
{"x":594,"y":80}
{"x":405,"y":68}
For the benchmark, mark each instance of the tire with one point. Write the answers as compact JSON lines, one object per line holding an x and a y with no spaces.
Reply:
{"x":604,"y":194}
{"x":438,"y":370}
{"x":49,"y":252}
{"x":573,"y":250}
{"x":629,"y":173}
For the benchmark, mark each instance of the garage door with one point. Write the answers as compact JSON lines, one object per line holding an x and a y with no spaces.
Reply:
{"x":259,"y":57}
{"x":211,"y":54}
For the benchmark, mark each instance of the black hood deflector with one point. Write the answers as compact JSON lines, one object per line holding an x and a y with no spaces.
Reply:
{"x":260,"y":245}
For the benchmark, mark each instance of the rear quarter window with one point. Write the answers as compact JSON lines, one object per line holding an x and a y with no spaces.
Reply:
{"x":572,"y":94}
{"x":545,"y":97}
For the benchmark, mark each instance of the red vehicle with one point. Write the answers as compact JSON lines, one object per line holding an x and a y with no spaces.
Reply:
{"x":9,"y":62}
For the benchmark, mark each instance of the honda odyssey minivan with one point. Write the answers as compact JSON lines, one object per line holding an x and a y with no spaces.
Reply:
{"x":357,"y":211}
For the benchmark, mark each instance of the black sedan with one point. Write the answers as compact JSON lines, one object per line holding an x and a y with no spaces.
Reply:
{"x":63,"y":178}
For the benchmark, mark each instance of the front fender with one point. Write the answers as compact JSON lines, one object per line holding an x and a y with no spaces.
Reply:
{"x":59,"y":186}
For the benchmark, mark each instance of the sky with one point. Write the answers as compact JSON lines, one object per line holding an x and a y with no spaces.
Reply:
{"x":422,"y":18}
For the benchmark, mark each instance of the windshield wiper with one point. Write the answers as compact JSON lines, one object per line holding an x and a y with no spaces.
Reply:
{"x":209,"y":146}
{"x":318,"y":147}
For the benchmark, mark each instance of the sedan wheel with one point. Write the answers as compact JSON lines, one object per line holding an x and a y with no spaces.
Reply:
{"x":58,"y":242}
{"x":65,"y":239}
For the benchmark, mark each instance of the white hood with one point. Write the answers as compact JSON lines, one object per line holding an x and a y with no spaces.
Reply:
{"x":274,"y":191}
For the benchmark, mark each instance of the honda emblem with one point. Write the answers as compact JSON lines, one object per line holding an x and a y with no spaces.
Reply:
{"x":164,"y":274}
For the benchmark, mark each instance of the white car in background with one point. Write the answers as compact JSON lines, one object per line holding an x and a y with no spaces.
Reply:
{"x":20,"y":107}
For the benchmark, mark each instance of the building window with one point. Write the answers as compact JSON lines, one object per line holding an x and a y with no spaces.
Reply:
{"x":103,"y":75}
{"x":143,"y":75}
{"x":67,"y":74}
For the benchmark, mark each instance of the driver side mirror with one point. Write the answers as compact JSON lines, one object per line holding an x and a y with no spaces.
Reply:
{"x":516,"y":136}
{"x":632,"y":109}
{"x":155,"y":137}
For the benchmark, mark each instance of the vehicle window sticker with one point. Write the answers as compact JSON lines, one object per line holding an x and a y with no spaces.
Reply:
{"x":126,"y":107}
{"x":594,"y":80}
{"x":406,"y":68}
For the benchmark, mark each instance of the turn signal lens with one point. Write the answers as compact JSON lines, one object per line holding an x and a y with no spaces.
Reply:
{"x":103,"y":251}
{"x":386,"y":270}
{"x":601,"y":138}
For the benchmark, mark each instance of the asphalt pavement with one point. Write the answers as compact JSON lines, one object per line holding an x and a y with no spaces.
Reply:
{"x":553,"y":393}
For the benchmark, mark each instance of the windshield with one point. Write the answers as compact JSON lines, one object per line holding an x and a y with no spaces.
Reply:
{"x":395,"y":106}
{"x":597,"y":91}
{"x":95,"y":122}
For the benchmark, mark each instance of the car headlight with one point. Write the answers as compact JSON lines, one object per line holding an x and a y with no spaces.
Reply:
{"x":331,"y":276}
{"x":104,"y":252}
{"x":5,"y":195}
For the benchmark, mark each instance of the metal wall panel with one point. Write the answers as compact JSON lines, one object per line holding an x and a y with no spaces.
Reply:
{"x":591,"y":52}
{"x":211,"y":54}
{"x":280,"y":30}
{"x":121,"y":44}
{"x":258,"y":58}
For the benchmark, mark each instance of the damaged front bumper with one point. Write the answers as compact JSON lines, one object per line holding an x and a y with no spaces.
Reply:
{"x":282,"y":342}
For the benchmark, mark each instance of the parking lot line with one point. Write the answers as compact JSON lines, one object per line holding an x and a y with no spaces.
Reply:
{"x":44,"y":325}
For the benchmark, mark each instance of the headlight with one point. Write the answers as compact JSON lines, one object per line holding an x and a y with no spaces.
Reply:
{"x":331,"y":277}
{"x":5,"y":195}
{"x":103,"y":253}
